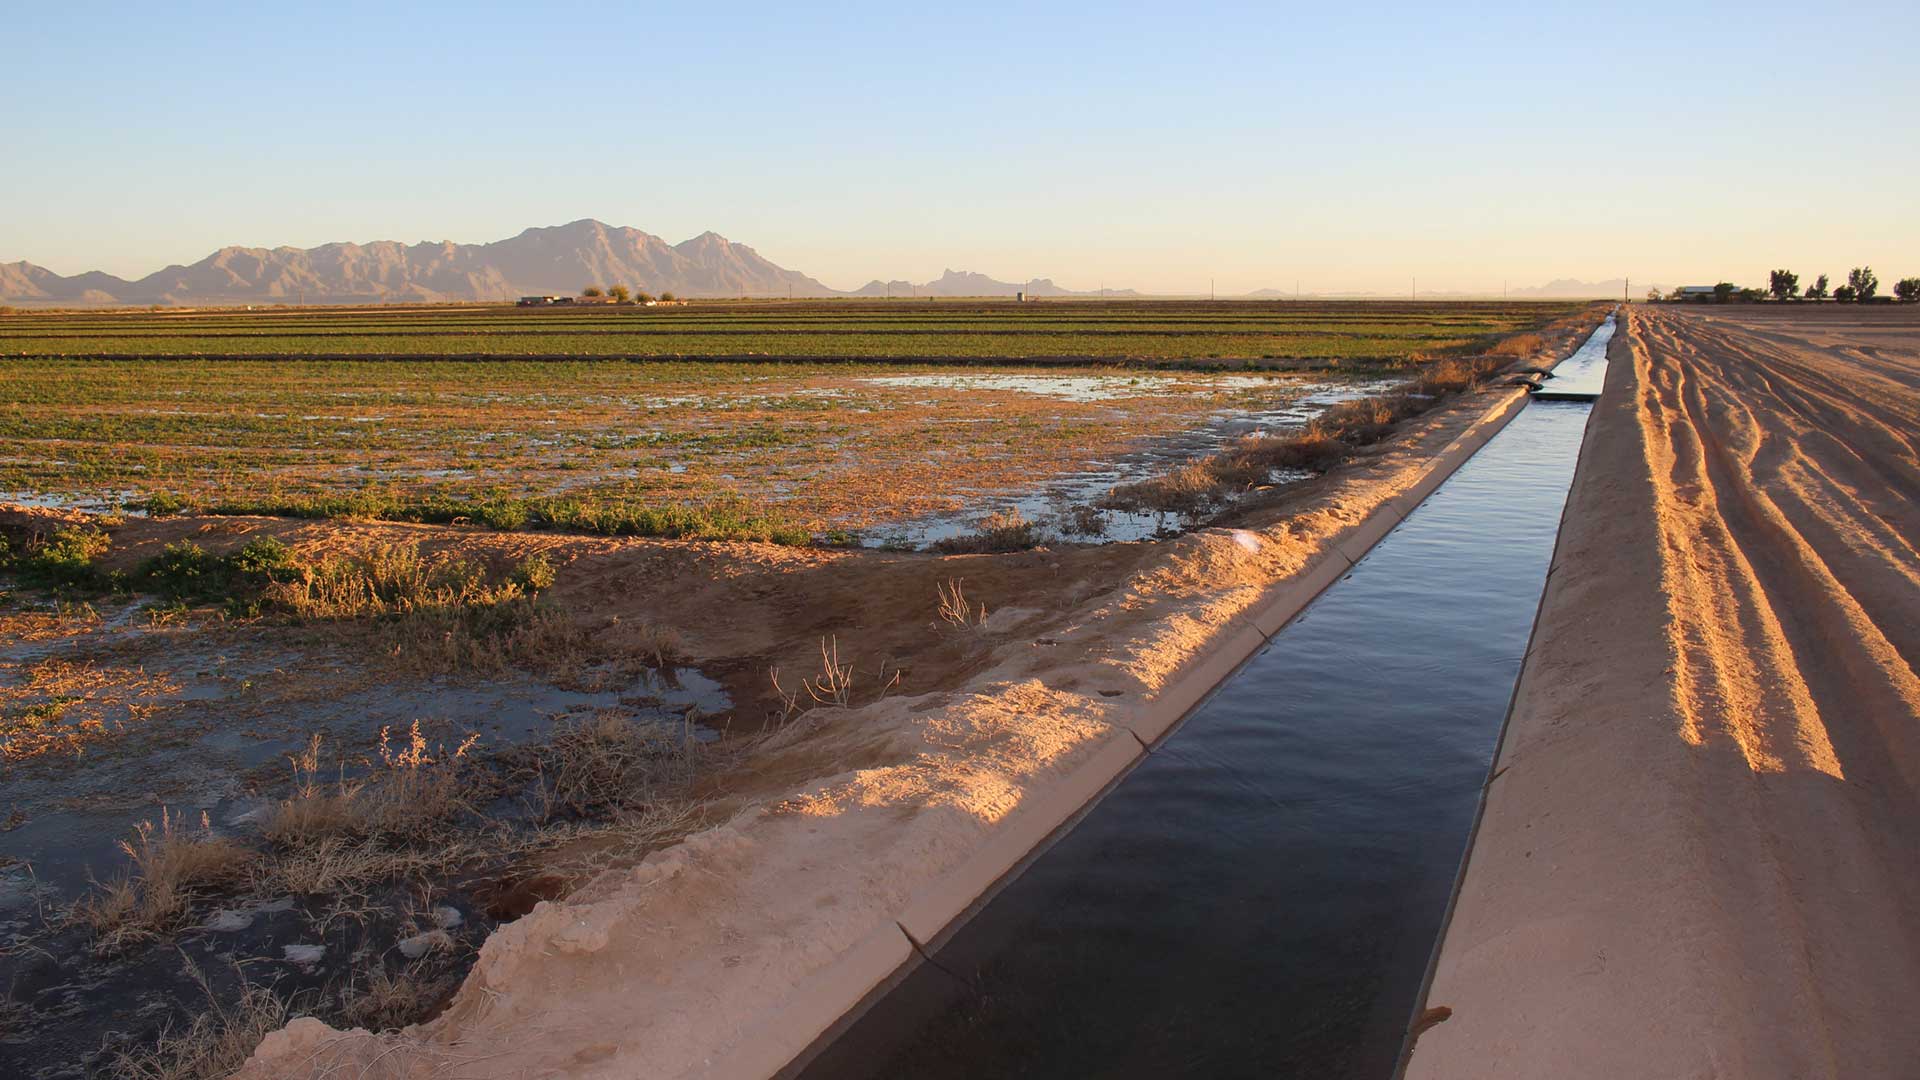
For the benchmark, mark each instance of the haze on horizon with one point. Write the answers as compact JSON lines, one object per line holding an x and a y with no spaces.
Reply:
{"x":1131,"y":146}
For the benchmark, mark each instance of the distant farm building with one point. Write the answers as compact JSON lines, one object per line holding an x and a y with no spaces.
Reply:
{"x":538,"y":301}
{"x":1696,"y":292}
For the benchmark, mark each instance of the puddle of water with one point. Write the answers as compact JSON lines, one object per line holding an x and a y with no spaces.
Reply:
{"x":1063,"y":387}
{"x":1260,"y":897}
{"x":1054,"y":501}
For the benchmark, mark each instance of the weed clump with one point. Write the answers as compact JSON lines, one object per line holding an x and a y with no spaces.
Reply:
{"x":169,"y":866}
{"x":603,"y":764}
{"x":61,"y":559}
{"x":185,"y":571}
{"x":1000,"y":531}
{"x":414,"y":792}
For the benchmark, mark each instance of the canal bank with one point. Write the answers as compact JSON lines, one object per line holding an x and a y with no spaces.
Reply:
{"x":1698,"y":857}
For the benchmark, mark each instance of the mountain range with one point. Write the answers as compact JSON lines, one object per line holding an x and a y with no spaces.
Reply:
{"x":557,"y":260}
{"x":967,"y":283}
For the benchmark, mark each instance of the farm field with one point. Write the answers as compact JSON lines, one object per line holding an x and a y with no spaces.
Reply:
{"x":1151,"y":331}
{"x":789,"y":451}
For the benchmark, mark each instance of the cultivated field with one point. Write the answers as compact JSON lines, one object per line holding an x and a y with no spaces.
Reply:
{"x":821,"y":446}
{"x":313,"y":672}
{"x":822,"y":330}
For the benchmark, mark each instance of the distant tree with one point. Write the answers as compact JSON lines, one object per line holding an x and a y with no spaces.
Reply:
{"x":1907,"y":289}
{"x":1844,"y":294}
{"x":1723,"y":291}
{"x":668,"y":297}
{"x":1783,"y":284}
{"x":620,"y":294}
{"x":1752,"y":296}
{"x":591,"y":290}
{"x":1864,"y":283}
{"x":643,"y":297}
{"x":1654,"y":295}
{"x":1818,"y":290}
{"x":1677,"y":294}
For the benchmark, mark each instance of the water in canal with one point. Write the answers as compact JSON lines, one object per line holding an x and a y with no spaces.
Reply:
{"x":1261,"y":896}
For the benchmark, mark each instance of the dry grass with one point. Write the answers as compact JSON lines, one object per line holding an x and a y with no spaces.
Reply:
{"x":341,"y":864}
{"x":64,"y":707}
{"x":1518,"y":345}
{"x":170,"y":865}
{"x":1190,"y":490}
{"x":215,"y":1044}
{"x":604,"y":764}
{"x":387,"y":1001}
{"x":414,"y":793}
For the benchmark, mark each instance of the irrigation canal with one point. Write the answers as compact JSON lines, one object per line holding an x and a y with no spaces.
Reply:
{"x":1261,"y":896}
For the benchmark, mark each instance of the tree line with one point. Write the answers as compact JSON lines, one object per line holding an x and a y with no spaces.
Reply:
{"x":622,"y":295}
{"x":1862,"y":285}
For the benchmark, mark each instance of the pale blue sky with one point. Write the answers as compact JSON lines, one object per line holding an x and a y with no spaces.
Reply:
{"x":1346,"y":146}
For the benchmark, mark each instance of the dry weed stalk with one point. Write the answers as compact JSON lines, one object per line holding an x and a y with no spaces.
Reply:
{"x":956,"y":610}
{"x":834,"y":684}
{"x":789,"y":699}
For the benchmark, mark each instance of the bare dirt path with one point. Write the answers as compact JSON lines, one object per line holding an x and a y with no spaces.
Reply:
{"x":1698,"y":856}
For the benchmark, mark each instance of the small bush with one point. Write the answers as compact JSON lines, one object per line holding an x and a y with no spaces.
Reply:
{"x":1000,"y":531}
{"x":184,"y":571}
{"x":1189,"y":490}
{"x":63,"y":559}
{"x":533,"y":574}
{"x":161,"y":504}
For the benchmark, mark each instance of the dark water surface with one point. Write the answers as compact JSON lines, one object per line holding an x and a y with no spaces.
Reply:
{"x":1261,"y":896}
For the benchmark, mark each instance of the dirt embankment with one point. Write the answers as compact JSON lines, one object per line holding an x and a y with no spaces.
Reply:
{"x":1698,"y":855}
{"x":861,"y":831}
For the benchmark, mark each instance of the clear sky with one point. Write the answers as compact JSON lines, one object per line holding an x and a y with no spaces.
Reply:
{"x":1345,"y":146}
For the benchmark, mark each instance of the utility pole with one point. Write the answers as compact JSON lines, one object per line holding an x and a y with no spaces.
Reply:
{"x":1209,"y":290}
{"x":1626,"y":292}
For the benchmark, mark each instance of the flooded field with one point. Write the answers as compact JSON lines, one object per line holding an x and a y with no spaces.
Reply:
{"x":902,"y":456}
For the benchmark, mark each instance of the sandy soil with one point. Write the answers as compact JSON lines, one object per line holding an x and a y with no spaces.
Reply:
{"x":1698,"y":856}
{"x":668,"y":968}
